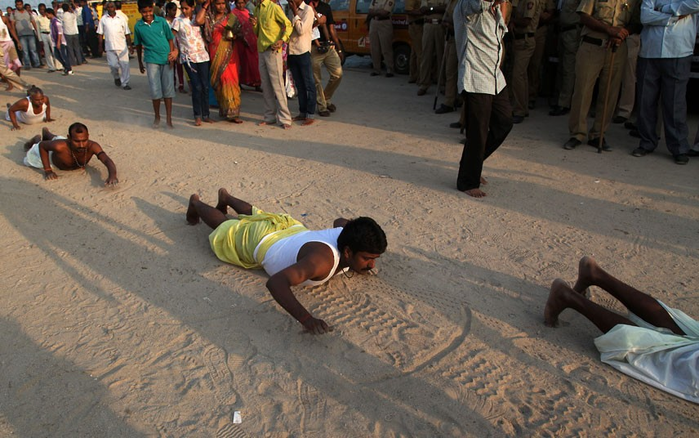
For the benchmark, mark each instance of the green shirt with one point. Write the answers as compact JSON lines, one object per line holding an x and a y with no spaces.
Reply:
{"x":155,"y":39}
{"x":272,"y":25}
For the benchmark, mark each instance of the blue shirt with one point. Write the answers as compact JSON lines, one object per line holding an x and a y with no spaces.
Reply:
{"x":664,"y":35}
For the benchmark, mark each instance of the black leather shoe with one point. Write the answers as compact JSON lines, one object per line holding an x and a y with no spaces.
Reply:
{"x":559,"y":111}
{"x":517,"y":119}
{"x":640,"y":152}
{"x":443,"y":109}
{"x":693,"y":153}
{"x":634,"y":133}
{"x":619,"y":119}
{"x":681,"y":159}
{"x":595,"y":143}
{"x":571,"y":144}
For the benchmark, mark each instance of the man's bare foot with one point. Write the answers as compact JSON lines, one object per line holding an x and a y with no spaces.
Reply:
{"x":235,"y":120}
{"x":285,"y":126}
{"x":31,"y":142}
{"x":222,"y":206}
{"x":476,"y":193}
{"x":197,"y":121}
{"x":307,"y":122}
{"x":156,"y":123}
{"x":169,"y":123}
{"x":9,"y":87}
{"x":265,"y":123}
{"x":209,"y":120}
{"x":587,"y":270}
{"x":556,"y":303}
{"x":46,"y":134}
{"x":484,"y":181}
{"x":192,"y":215}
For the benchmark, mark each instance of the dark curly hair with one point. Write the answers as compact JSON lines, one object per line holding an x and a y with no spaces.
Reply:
{"x":362,"y":234}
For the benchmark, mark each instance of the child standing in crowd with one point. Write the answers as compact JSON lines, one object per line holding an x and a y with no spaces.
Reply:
{"x":170,"y":14}
{"x":58,"y":42}
{"x":153,"y":34}
{"x":195,"y":58}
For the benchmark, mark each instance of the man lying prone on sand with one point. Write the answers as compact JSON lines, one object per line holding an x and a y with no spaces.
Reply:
{"x":290,"y":253}
{"x":66,"y":153}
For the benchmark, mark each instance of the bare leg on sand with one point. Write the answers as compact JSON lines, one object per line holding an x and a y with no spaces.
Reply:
{"x":590,"y":273}
{"x":199,"y":210}
{"x":225,"y":200}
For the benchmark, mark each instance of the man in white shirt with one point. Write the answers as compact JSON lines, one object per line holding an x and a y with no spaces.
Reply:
{"x":70,"y":30}
{"x":299,"y":59}
{"x":114,"y":29}
{"x":44,"y":25}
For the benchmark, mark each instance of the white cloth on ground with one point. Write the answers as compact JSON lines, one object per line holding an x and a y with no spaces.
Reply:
{"x":33,"y":157}
{"x":655,"y":355}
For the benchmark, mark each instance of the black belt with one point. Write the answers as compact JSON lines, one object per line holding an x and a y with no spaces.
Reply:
{"x":419,"y":21}
{"x":521,"y":36}
{"x":570,"y":27}
{"x":595,"y":41}
{"x":46,"y":33}
{"x":381,"y":18}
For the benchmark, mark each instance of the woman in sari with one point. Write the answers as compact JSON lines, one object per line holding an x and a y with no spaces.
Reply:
{"x":221,"y":28}
{"x":247,"y":48}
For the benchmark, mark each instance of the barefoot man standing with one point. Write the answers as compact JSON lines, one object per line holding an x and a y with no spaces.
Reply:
{"x":290,"y":253}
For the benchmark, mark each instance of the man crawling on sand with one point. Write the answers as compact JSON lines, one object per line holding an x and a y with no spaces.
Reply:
{"x":290,"y":253}
{"x":655,"y":343}
{"x":66,"y":153}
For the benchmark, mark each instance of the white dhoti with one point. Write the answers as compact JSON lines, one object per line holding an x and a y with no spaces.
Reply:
{"x":33,"y":156}
{"x":655,"y":355}
{"x":118,"y":61}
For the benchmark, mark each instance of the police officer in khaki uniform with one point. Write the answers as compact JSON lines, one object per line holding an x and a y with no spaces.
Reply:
{"x":416,"y":21}
{"x":534,"y":71}
{"x":568,"y":43}
{"x":381,"y":35}
{"x":451,"y":64}
{"x":525,"y":19}
{"x":432,"y":42}
{"x":606,"y":23}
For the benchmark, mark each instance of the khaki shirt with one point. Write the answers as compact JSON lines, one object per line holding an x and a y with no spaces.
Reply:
{"x":433,"y":3}
{"x":386,"y":5}
{"x":617,"y":13}
{"x":569,"y":13}
{"x":528,"y":9}
{"x":412,"y":5}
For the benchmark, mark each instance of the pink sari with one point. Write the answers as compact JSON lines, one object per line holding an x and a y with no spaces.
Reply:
{"x":247,"y":51}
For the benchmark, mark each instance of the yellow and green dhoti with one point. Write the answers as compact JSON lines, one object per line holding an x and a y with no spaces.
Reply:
{"x":244,"y":241}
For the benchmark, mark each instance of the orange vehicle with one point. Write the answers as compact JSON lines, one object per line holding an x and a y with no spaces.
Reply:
{"x":350,"y":25}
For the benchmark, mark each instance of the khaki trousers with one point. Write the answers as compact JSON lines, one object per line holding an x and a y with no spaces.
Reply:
{"x":331,"y":61}
{"x":10,"y":75}
{"x":273,"y":89}
{"x":593,"y":62}
{"x":534,"y":70}
{"x":432,"y":51}
{"x":452,"y":72}
{"x":628,"y":81}
{"x":415,"y":32}
{"x":381,"y":41}
{"x":523,"y":51}
{"x":568,"y":44}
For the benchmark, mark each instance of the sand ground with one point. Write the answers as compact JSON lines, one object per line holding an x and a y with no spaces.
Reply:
{"x":117,"y":319}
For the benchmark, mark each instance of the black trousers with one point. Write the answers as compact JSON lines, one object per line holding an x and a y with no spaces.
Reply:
{"x":488,"y":121}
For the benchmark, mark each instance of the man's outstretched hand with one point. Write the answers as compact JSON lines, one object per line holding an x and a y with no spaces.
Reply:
{"x":316,"y":326}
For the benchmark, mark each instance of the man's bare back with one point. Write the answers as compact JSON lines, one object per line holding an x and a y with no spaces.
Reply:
{"x":70,"y":153}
